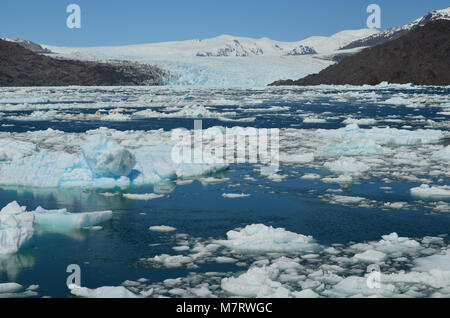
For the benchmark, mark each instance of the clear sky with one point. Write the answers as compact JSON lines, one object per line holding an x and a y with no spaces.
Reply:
{"x":119,"y":22}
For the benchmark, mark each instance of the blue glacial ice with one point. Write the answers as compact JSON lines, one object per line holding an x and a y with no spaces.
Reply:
{"x":102,"y":163}
{"x":61,"y":219}
{"x":17,"y":225}
{"x":106,"y":158}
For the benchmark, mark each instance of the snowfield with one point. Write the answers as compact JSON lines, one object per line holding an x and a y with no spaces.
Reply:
{"x":227,"y":60}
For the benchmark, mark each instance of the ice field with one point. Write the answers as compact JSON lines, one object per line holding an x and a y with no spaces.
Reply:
{"x":87,"y":178}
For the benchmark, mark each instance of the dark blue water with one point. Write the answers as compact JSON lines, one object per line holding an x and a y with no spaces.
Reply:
{"x":110,"y":256}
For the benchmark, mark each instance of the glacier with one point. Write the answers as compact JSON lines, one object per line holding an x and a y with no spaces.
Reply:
{"x":227,"y":60}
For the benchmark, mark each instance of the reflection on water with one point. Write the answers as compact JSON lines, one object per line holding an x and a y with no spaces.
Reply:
{"x":12,"y":265}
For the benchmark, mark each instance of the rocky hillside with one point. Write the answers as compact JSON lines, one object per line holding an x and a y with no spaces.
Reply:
{"x":22,"y":67}
{"x":421,"y":57}
{"x":393,"y":33}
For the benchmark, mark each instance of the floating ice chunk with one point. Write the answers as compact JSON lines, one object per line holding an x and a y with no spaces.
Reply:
{"x":235,"y":195}
{"x":306,"y":293}
{"x":10,"y":288}
{"x":61,"y":219}
{"x":188,"y":111}
{"x":441,"y":262}
{"x":102,"y":292}
{"x":16,"y":227}
{"x":425,"y":191}
{"x":116,"y":116}
{"x":370,"y":256}
{"x":345,"y":165}
{"x":170,"y":261}
{"x":354,"y":286}
{"x":382,"y":136}
{"x":296,"y":157}
{"x":46,"y":169}
{"x":107,"y":158}
{"x":13,"y":149}
{"x":162,"y":228}
{"x":391,"y":244}
{"x":443,"y":154}
{"x":314,"y":120}
{"x":361,"y":121}
{"x":310,"y":176}
{"x":145,"y":196}
{"x":259,"y":238}
{"x":256,"y":282}
{"x":355,"y":147}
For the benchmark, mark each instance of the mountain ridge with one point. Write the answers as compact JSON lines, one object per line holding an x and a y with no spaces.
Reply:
{"x":421,"y":57}
{"x":393,"y":33}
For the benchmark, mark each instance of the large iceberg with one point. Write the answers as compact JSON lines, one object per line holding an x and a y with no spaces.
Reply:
{"x":259,"y":238}
{"x":61,"y":219}
{"x":107,"y":158}
{"x":101,"y":163}
{"x":16,"y":227}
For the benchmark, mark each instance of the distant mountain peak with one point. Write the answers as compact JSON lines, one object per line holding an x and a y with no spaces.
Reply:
{"x":393,"y":33}
{"x":36,"y":48}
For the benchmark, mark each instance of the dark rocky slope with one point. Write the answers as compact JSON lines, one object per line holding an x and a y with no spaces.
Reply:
{"x":421,"y":57}
{"x":22,"y":67}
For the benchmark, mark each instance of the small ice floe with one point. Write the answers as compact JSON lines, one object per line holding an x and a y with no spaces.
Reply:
{"x":15,"y":290}
{"x":145,"y":196}
{"x":443,"y":154}
{"x":213,"y":180}
{"x":299,"y":157}
{"x":102,"y":292}
{"x":109,"y":194}
{"x":426,"y":191}
{"x":346,"y":165}
{"x":162,"y":228}
{"x":235,"y":195}
{"x":238,"y":120}
{"x":360,"y":121}
{"x":262,"y":238}
{"x":61,"y":219}
{"x":310,"y":176}
{"x":314,"y":120}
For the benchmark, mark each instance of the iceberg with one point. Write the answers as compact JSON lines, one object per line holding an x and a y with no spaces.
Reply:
{"x":61,"y":219}
{"x":259,"y":238}
{"x":346,"y":165}
{"x":16,"y":227}
{"x":256,"y":282}
{"x":102,"y":292}
{"x":107,"y":158}
{"x":102,"y":163}
{"x":425,"y":191}
{"x":443,"y":154}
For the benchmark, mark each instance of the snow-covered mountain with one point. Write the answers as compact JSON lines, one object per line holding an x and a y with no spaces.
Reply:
{"x":394,"y":33}
{"x":36,"y":48}
{"x":226,"y":59}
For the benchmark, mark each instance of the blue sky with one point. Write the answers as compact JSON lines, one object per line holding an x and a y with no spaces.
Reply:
{"x":114,"y":22}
